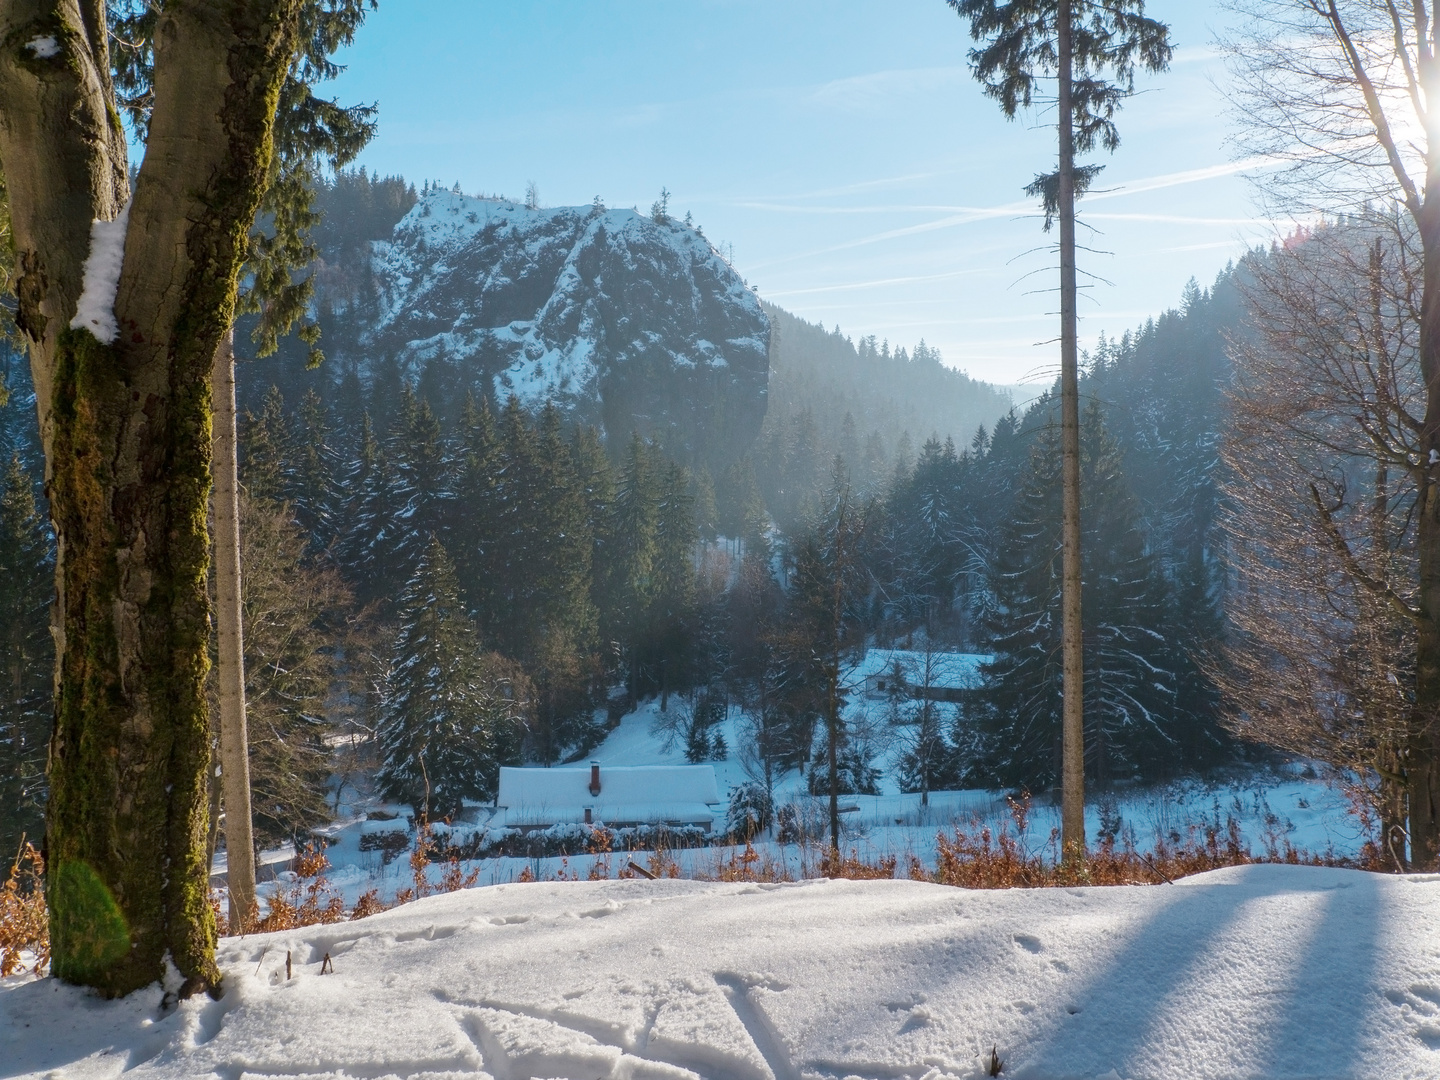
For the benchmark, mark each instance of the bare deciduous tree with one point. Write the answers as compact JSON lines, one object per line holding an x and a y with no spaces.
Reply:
{"x":1335,"y":95}
{"x":1321,"y":448}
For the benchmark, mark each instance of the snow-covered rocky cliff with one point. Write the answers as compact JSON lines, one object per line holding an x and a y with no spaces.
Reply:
{"x":630,"y":322}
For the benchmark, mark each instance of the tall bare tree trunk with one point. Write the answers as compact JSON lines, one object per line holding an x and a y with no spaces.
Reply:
{"x":1072,"y":797}
{"x":1423,"y":755}
{"x":123,"y":389}
{"x":832,"y":677}
{"x":234,"y":743}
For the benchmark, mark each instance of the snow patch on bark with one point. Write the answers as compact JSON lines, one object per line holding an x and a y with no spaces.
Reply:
{"x":44,"y":47}
{"x":96,"y":310}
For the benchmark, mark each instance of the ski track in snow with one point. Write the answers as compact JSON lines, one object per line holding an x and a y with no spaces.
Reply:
{"x":1250,"y":972}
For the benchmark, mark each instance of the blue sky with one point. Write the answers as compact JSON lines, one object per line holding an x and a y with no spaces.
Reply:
{"x":840,"y":146}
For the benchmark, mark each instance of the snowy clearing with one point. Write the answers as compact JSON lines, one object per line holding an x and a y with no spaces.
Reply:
{"x":1258,"y":971}
{"x":1269,"y":810}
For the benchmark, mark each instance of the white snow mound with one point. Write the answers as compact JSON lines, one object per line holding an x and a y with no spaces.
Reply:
{"x":1263,"y":971}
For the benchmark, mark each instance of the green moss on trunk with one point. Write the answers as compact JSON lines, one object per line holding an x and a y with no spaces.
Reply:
{"x":128,"y":809}
{"x":129,"y":487}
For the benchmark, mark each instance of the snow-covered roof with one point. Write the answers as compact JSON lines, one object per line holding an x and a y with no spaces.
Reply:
{"x":671,"y":794}
{"x":948,"y":670}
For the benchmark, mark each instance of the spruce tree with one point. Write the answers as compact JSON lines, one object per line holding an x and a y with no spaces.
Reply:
{"x":313,"y":474}
{"x":829,"y":590}
{"x":452,"y":715}
{"x":671,"y":625}
{"x":475,"y":535}
{"x":703,"y":492}
{"x":269,"y":448}
{"x":516,"y":523}
{"x":1131,"y":630}
{"x":1076,"y":42}
{"x":26,"y":656}
{"x":555,"y":594}
{"x":294,"y":607}
{"x":630,"y":565}
{"x":596,"y":480}
{"x":423,"y":493}
{"x":740,"y":508}
{"x":1132,"y":720}
{"x":370,"y":535}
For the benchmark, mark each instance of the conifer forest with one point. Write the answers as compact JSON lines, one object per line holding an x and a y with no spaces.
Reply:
{"x":413,"y":537}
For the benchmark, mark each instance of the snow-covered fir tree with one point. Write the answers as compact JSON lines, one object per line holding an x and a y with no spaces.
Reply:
{"x":370,"y":529}
{"x":451,"y":714}
{"x":1131,"y":720}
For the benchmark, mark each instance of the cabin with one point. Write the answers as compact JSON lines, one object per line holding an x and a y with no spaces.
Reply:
{"x":886,"y":673}
{"x":619,"y":796}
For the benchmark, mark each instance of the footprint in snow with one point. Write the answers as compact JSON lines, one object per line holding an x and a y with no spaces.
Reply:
{"x":610,"y":907}
{"x":1028,"y":943}
{"x":510,"y":920}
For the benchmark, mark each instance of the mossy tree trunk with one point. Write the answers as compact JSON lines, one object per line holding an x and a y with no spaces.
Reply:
{"x":126,"y":429}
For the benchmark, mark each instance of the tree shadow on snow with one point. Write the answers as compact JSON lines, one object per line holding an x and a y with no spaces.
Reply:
{"x":1253,"y":977}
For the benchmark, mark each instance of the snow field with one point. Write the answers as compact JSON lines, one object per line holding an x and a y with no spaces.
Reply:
{"x":1256,"y":971}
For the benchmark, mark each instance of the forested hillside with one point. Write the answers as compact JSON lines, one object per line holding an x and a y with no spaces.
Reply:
{"x":411,"y":539}
{"x":871,"y":406}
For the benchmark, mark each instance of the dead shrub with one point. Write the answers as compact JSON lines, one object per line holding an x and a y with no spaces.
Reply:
{"x":749,"y":865}
{"x":24,"y":919}
{"x":369,"y":903}
{"x":982,"y":858}
{"x":834,"y":865}
{"x":453,"y":878}
{"x":300,"y":904}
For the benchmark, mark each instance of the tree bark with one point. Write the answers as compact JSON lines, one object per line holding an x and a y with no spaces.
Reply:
{"x":126,"y":430}
{"x":1422,"y":770}
{"x":234,"y":743}
{"x":1072,"y":797}
{"x":832,"y":680}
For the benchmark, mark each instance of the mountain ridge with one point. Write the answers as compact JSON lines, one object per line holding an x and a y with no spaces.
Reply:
{"x":625,"y":320}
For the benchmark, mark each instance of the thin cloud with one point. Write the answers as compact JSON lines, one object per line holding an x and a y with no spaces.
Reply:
{"x":847,"y":286}
{"x":1175,"y":179}
{"x":875,"y":89}
{"x":1179,"y":219}
{"x":862,"y":185}
{"x":968,"y":215}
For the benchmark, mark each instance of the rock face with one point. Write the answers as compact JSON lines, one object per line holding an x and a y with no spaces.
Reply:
{"x":630,"y":323}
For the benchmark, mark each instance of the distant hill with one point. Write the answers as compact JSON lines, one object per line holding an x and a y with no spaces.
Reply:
{"x":892,"y":392}
{"x":631,"y":321}
{"x":871,"y":406}
{"x":627,"y":321}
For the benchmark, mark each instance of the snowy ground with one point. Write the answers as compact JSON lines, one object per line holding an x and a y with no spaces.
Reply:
{"x":1256,"y":971}
{"x":1269,"y":810}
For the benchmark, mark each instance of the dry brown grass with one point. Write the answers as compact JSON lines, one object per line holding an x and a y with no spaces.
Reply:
{"x":750,"y":865}
{"x":984,"y":858}
{"x":312,"y":900}
{"x":24,"y":920}
{"x":835,"y":865}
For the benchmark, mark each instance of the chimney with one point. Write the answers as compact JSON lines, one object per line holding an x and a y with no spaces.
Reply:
{"x":594,"y":778}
